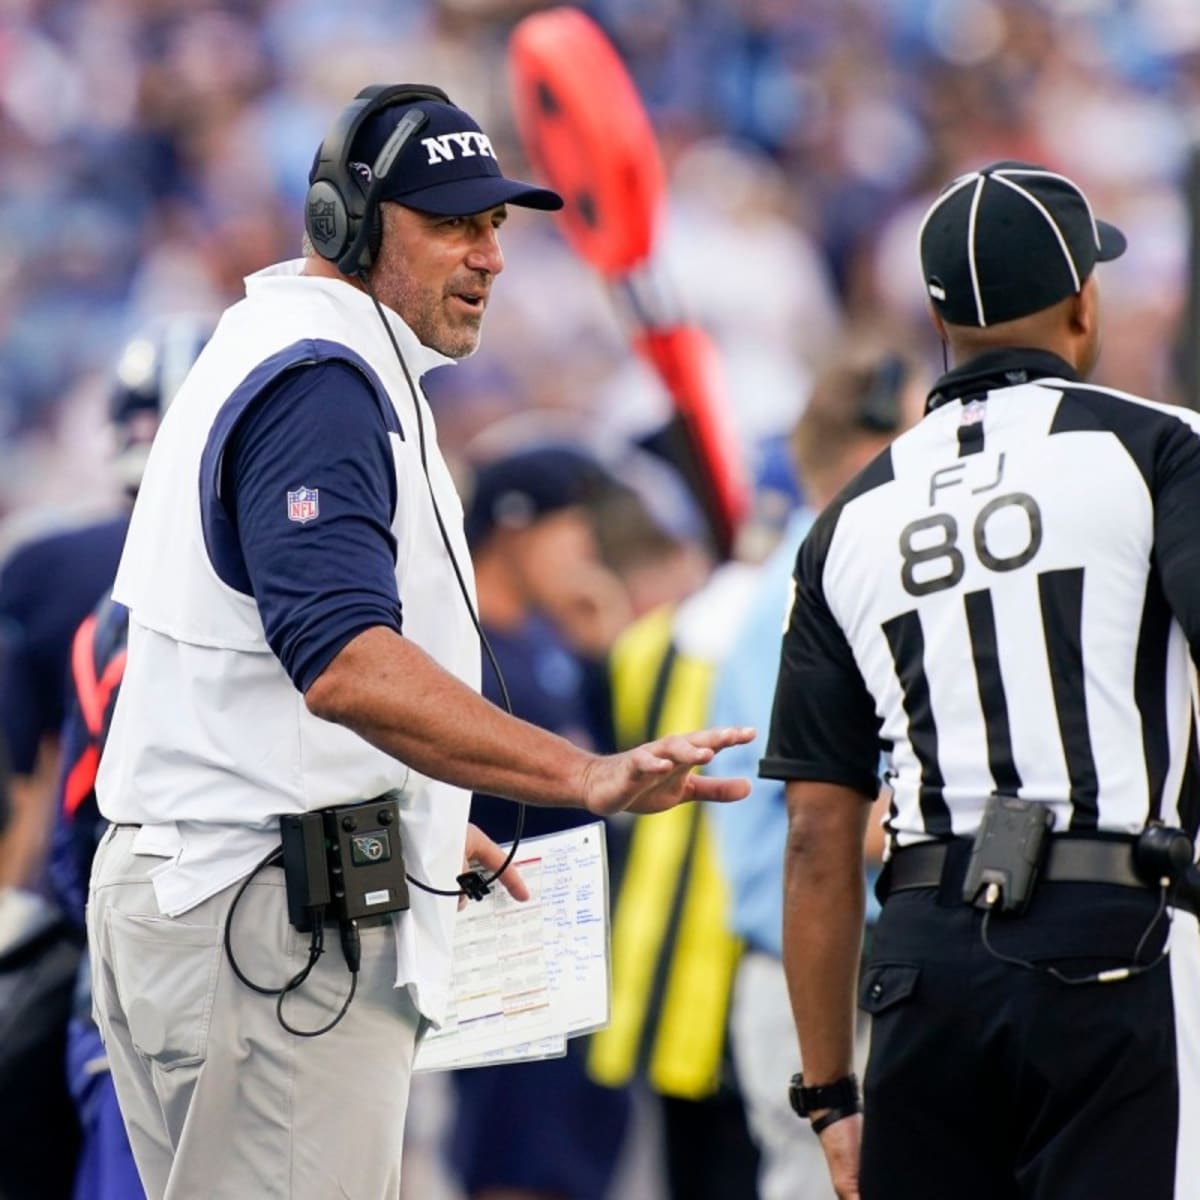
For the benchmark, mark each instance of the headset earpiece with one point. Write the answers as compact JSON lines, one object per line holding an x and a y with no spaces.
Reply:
{"x":326,"y":220}
{"x":341,"y":211}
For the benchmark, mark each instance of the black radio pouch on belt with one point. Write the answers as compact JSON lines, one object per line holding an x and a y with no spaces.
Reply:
{"x":1009,"y":850}
{"x":348,"y":861}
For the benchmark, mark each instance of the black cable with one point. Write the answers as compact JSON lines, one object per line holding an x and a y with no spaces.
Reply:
{"x":473,"y":892}
{"x":316,"y":946}
{"x":1112,"y":975}
{"x":1163,"y":897}
{"x":352,"y":953}
{"x":311,"y":1033}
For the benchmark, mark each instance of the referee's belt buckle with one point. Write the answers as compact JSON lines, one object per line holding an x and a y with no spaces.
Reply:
{"x":1068,"y":860}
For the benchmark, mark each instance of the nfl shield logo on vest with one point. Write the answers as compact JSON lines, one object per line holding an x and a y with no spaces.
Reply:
{"x":303,"y":505}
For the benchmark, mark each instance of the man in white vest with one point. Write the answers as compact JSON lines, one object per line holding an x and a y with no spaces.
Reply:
{"x":302,"y":638}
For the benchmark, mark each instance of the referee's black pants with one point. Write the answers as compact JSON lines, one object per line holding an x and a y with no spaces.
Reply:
{"x":989,"y":1082}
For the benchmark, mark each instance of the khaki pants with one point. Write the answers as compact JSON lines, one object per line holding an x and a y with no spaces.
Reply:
{"x":219,"y":1100}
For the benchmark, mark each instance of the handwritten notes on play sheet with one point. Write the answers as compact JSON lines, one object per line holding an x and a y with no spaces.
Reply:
{"x":528,"y":976}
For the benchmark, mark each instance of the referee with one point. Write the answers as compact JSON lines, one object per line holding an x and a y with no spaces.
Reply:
{"x":1005,"y":600}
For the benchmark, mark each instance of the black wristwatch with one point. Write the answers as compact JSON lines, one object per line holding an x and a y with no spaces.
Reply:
{"x":840,"y":1098}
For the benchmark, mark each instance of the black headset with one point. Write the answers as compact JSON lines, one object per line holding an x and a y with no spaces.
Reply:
{"x":341,"y":210}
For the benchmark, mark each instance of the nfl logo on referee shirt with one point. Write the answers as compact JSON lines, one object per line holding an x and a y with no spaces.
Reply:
{"x":303,"y":505}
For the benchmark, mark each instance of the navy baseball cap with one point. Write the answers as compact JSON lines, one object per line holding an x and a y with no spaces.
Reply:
{"x":1009,"y":240}
{"x":448,"y":167}
{"x":519,"y":489}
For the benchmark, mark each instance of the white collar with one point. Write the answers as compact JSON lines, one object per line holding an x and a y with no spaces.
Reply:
{"x":290,"y":274}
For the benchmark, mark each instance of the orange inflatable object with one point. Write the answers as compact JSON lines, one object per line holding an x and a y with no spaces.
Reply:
{"x":584,"y":128}
{"x":687,"y":362}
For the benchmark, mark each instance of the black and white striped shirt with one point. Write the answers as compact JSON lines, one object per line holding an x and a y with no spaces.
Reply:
{"x":1004,"y":600}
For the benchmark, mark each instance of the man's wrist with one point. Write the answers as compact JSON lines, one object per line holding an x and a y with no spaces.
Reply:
{"x":585,"y":782}
{"x":824,"y":1104}
{"x":830,"y":1116}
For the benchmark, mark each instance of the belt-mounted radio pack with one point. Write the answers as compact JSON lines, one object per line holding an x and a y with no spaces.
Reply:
{"x":340,"y":866}
{"x":347,"y":862}
{"x":1009,"y":852}
{"x":1007,"y":855}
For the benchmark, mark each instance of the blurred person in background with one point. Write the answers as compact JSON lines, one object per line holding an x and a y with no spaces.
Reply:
{"x":132,"y":131}
{"x":106,"y":1169}
{"x":728,"y":241}
{"x":651,"y":532}
{"x":37,"y":969}
{"x":550,"y":609}
{"x":856,"y":408}
{"x":149,"y":372}
{"x":673,"y":955}
{"x":49,"y":586}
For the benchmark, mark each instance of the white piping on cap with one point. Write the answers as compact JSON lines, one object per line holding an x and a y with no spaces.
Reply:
{"x":953,"y":189}
{"x":1037,"y":204}
{"x":1070,"y":183}
{"x":971,"y":222}
{"x":957,"y":186}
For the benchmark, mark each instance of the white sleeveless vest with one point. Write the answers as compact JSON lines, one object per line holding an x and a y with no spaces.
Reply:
{"x":210,"y":739}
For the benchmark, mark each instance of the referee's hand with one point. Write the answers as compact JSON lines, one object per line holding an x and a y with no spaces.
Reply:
{"x":659,"y":775}
{"x":841,"y":1142}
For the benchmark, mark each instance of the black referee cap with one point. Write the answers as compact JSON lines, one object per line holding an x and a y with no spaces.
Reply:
{"x":1009,"y":240}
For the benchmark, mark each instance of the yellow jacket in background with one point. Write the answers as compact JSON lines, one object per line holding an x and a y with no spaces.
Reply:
{"x":673,"y":956}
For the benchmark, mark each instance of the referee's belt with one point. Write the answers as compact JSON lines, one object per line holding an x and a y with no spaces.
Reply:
{"x":1068,"y":860}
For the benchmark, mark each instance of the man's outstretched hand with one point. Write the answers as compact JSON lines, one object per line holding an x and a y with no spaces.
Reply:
{"x":659,"y":775}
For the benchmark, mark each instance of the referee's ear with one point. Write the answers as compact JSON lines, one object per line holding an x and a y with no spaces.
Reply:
{"x":1085,"y":311}
{"x":1084,"y":318}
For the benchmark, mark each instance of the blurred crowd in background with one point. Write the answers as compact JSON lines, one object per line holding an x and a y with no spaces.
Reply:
{"x":157,"y":151}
